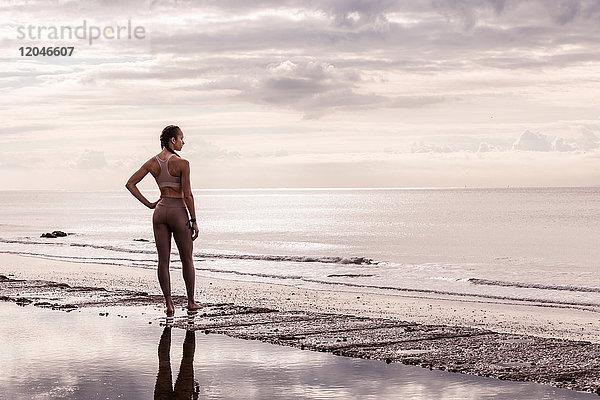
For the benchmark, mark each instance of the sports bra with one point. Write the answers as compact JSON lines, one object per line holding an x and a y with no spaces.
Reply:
{"x":164,"y":178}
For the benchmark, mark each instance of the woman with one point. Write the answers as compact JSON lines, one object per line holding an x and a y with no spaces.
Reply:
{"x":172,"y":175}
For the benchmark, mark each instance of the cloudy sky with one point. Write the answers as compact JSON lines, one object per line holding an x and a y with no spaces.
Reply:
{"x":314,"y":93}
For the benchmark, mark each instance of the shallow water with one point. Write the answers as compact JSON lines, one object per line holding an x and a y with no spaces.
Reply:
{"x":536,"y":244}
{"x":80,"y":355}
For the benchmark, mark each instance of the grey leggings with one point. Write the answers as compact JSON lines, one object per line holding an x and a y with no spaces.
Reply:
{"x":170,"y":216}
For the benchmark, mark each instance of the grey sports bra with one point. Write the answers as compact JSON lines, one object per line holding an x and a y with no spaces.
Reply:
{"x":164,"y":179}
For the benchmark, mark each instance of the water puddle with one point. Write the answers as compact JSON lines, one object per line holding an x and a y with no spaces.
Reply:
{"x":127,"y":354}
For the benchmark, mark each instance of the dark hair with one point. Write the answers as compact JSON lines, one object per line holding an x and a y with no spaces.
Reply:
{"x":170,"y":131}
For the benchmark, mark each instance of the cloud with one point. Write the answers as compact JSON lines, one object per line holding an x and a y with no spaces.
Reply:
{"x":90,"y":159}
{"x":468,"y":11}
{"x":530,"y":141}
{"x":430,"y":148}
{"x":304,"y":85}
{"x":485,"y":147}
{"x":416,"y":101}
{"x":588,"y":140}
{"x":315,"y":56}
{"x":561,"y":144}
{"x":21,"y":161}
{"x":527,"y":141}
{"x":316,"y":88}
{"x":563,"y":11}
{"x":201,"y":150}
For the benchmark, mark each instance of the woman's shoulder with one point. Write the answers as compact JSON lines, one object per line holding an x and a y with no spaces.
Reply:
{"x":178,"y":159}
{"x":181,"y":162}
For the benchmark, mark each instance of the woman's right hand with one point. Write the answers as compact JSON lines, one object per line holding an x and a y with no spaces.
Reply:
{"x":153,"y":205}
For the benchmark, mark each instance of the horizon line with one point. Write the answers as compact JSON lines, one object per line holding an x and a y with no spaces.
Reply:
{"x":319,"y":188}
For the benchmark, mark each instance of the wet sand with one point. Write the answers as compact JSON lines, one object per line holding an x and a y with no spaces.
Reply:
{"x":549,"y":345}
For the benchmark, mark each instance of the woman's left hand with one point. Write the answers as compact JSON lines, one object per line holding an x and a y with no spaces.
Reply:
{"x":195,"y":230}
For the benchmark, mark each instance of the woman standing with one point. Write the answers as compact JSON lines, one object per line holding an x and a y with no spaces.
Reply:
{"x":172,"y":174}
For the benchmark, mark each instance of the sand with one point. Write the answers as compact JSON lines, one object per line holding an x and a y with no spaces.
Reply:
{"x":539,"y":320}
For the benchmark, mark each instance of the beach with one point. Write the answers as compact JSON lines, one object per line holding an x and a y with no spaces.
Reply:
{"x":351,"y":319}
{"x":541,"y":320}
{"x":498,"y":284}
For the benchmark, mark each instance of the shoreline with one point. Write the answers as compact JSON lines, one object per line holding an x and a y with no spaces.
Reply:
{"x":400,"y":329}
{"x":535,"y":319}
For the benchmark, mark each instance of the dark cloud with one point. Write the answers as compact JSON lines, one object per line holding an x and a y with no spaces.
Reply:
{"x":431,"y":38}
{"x":316,"y":88}
{"x":408,"y":101}
{"x":563,"y":11}
{"x":468,"y":11}
{"x":243,"y":46}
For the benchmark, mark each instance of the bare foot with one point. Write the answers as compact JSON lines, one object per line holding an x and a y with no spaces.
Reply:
{"x":170,"y":310}
{"x":193,"y":306}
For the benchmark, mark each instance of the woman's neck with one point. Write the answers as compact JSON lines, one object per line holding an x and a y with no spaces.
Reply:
{"x":167,"y":152}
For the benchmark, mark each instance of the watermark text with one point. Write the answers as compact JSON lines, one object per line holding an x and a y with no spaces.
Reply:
{"x":84,"y":31}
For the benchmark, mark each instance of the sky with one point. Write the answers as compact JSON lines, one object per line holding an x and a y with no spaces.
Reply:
{"x":314,"y":93}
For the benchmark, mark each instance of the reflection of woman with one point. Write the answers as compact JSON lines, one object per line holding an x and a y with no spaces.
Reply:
{"x":185,"y":387}
{"x":172,"y":175}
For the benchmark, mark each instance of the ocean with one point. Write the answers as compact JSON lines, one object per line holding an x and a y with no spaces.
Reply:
{"x":531,"y":245}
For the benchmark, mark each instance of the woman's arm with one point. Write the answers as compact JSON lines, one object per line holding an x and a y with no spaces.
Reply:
{"x":188,"y":197}
{"x":134,"y":180}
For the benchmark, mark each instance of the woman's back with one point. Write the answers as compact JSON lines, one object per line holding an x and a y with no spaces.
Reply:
{"x":167,"y":173}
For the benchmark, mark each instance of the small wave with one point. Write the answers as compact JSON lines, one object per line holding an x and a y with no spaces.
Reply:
{"x":570,"y":288}
{"x":257,"y":257}
{"x":552,"y":303}
{"x":68,"y":244}
{"x":300,"y":278}
{"x":536,"y":301}
{"x":77,"y":258}
{"x":324,"y":260}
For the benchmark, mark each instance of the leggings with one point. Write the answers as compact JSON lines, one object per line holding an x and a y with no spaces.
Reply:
{"x":170,"y":216}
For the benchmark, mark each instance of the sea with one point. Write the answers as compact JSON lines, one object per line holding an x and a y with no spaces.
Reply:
{"x":531,"y":245}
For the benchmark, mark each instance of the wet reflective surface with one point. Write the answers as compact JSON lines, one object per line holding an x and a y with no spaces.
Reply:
{"x":81,"y":355}
{"x":185,"y":385}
